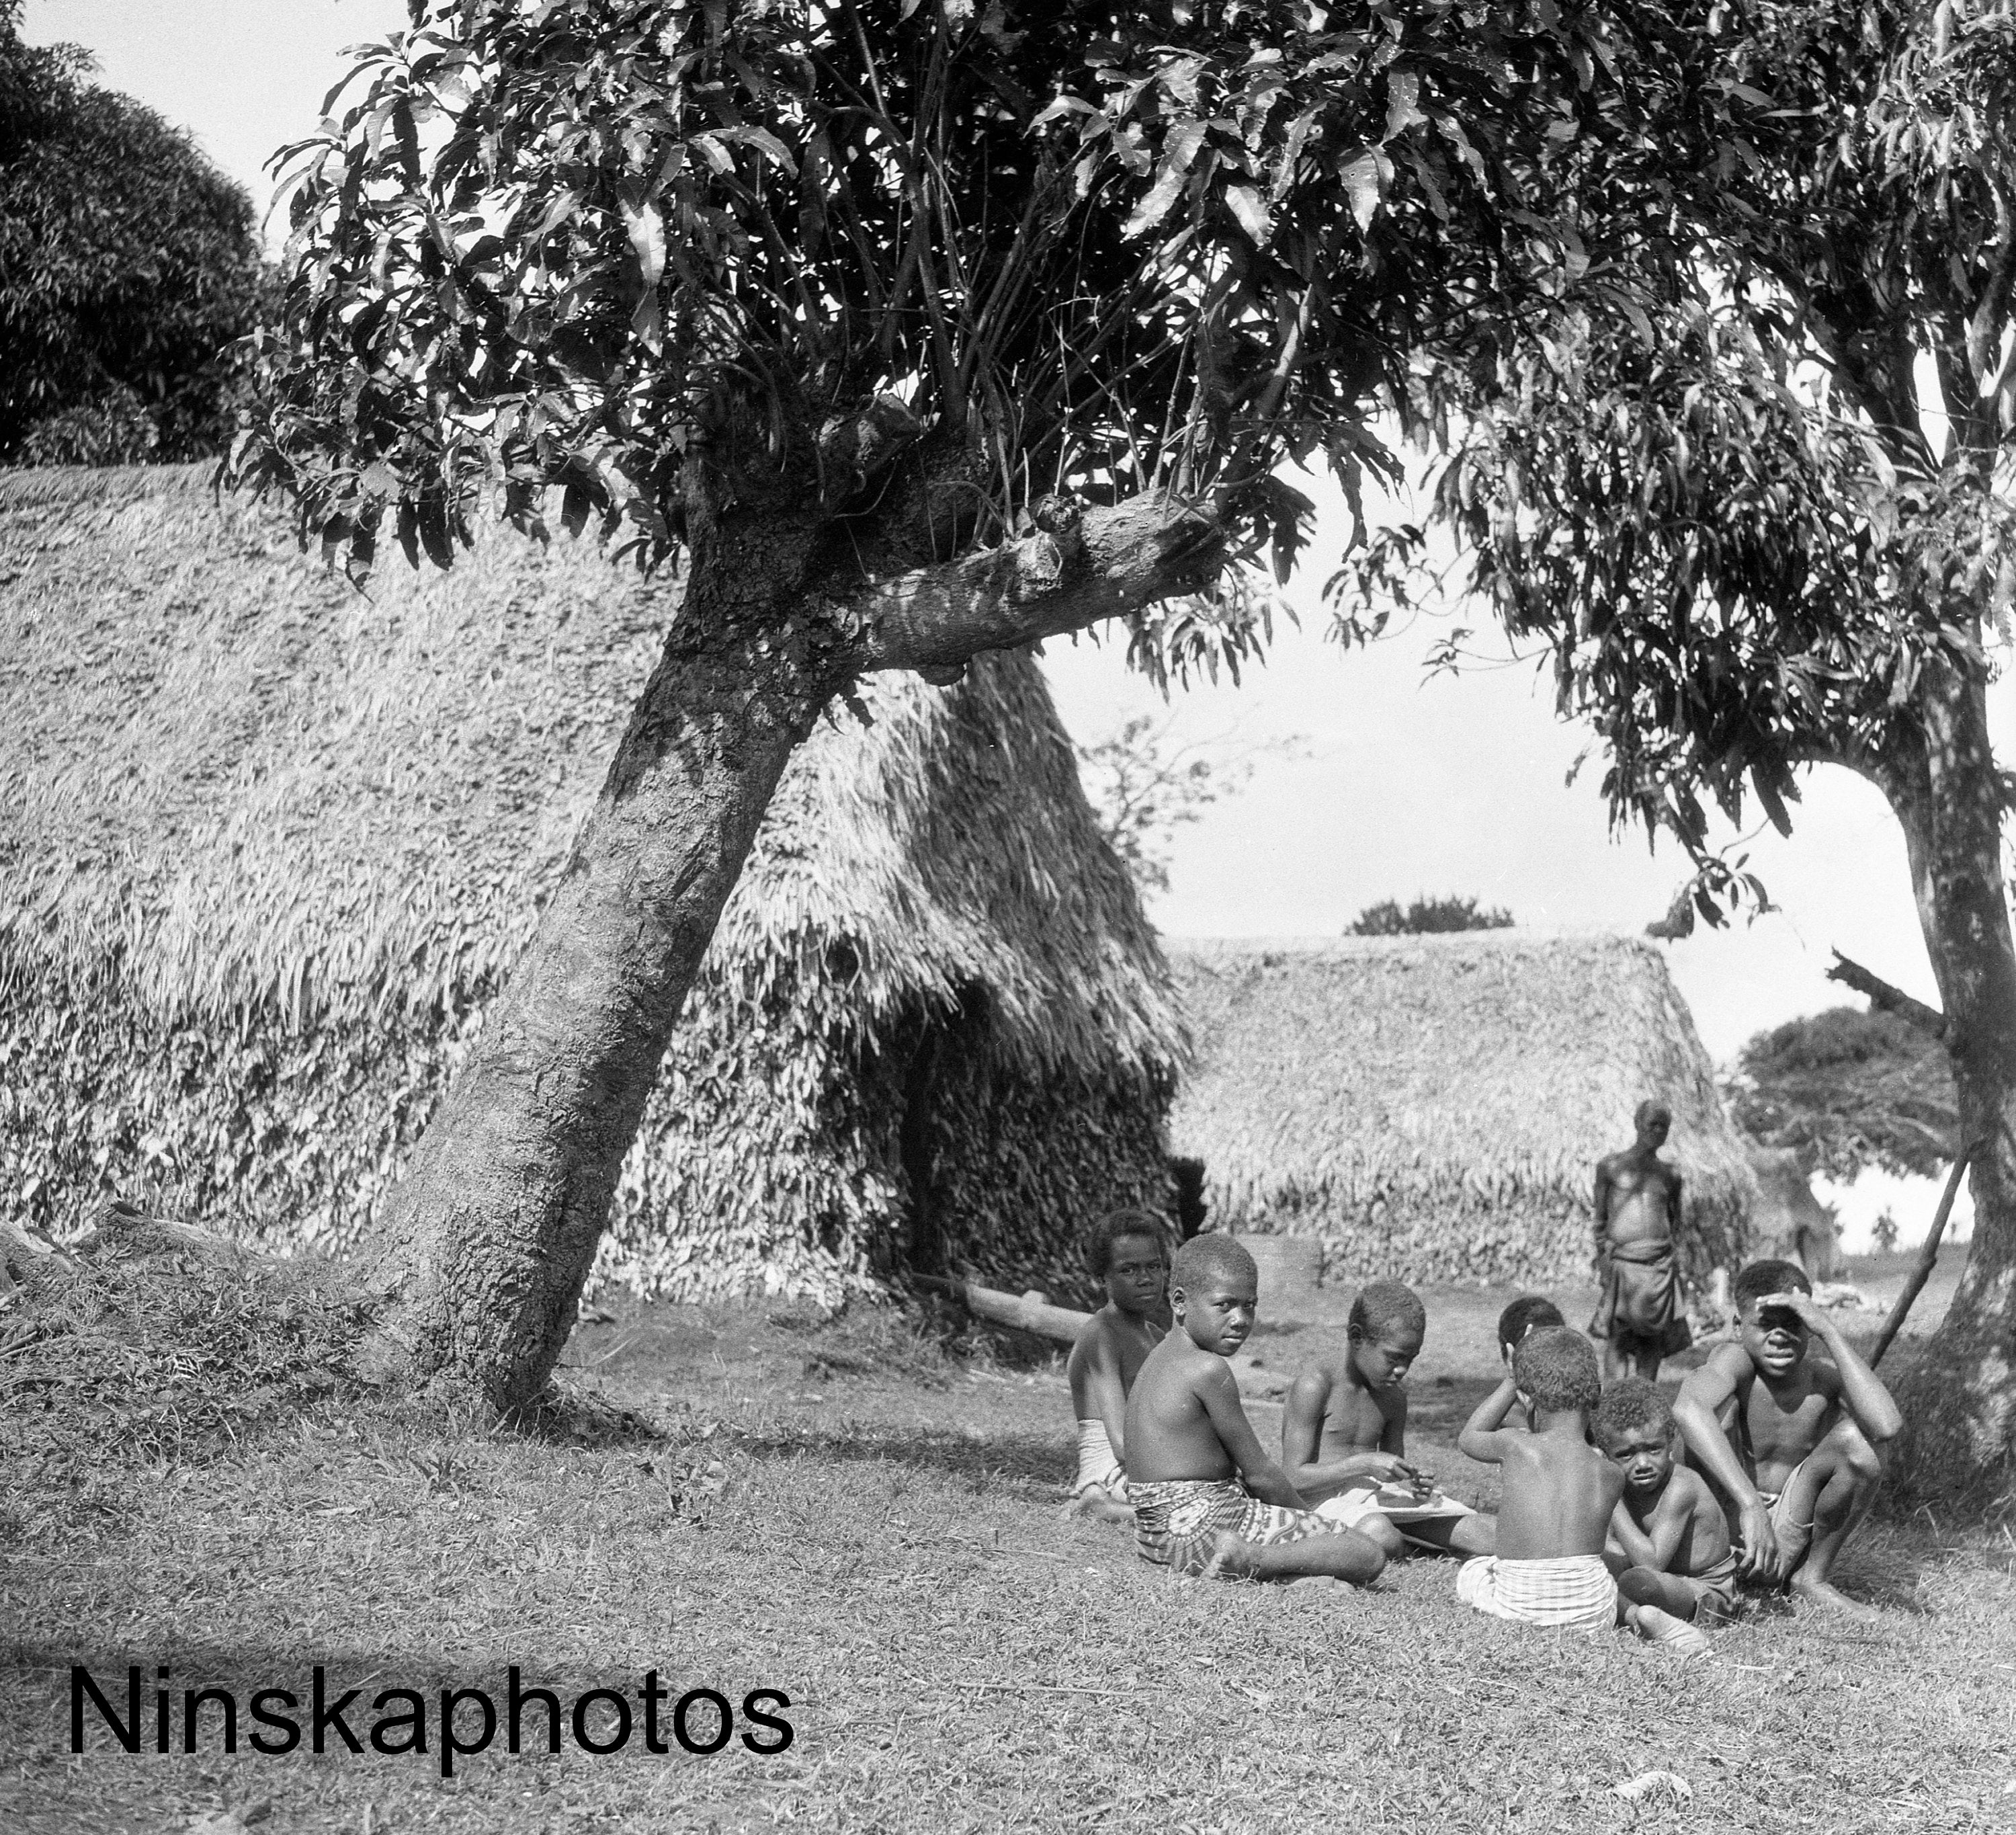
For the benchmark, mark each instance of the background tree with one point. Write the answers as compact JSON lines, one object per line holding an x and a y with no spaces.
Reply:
{"x":915,"y":330}
{"x":129,"y":268}
{"x":1428,"y":917}
{"x":1710,"y":492}
{"x":1847,"y":1090}
{"x":1143,"y":784}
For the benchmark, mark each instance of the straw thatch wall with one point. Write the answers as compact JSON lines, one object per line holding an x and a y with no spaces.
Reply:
{"x":268,"y":846}
{"x":1433,"y":1107}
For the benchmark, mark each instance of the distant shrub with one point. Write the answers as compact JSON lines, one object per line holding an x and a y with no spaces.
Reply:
{"x":1428,"y":917}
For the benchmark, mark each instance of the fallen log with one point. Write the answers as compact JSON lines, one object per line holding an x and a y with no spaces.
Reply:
{"x":1026,"y":1312}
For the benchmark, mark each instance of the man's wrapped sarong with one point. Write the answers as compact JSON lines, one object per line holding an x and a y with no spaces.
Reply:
{"x":1639,"y":1307}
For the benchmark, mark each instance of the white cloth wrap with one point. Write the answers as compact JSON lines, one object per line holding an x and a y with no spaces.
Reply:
{"x":1098,"y":1469}
{"x":1574,"y":1592}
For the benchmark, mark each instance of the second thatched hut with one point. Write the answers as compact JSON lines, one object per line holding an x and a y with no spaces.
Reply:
{"x":269,"y":846}
{"x":1432,"y":1108}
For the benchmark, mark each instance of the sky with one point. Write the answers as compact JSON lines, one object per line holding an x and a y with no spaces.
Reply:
{"x":1367,"y":781}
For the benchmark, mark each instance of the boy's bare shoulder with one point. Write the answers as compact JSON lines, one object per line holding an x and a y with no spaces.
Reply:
{"x":1311,"y":1388}
{"x":1729,"y":1361}
{"x":1687,"y":1490}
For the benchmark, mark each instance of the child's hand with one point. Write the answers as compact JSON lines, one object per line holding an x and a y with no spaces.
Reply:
{"x":1801,"y":1305}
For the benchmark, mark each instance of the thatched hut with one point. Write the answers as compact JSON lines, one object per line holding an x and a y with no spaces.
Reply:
{"x":269,"y":845}
{"x":1433,"y":1107}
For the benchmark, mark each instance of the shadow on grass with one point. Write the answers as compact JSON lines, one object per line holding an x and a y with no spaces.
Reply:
{"x":1040,"y":1459}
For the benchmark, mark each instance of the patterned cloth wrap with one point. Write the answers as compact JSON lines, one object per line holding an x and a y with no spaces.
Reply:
{"x":1574,"y":1592}
{"x":1397,"y":1503}
{"x":1098,"y":1469}
{"x":1176,"y":1518}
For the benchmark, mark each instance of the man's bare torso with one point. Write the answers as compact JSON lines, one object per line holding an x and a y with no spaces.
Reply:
{"x":1641,"y":1190}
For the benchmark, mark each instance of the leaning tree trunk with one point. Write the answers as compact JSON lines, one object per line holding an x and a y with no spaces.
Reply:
{"x":1959,"y":1395}
{"x":490,"y":1237}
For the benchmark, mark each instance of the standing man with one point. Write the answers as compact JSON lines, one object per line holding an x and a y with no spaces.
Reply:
{"x":1639,"y":1319}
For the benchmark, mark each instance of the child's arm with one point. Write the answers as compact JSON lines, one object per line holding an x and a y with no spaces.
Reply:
{"x":1220,"y":1393}
{"x":1861,"y":1391}
{"x":1698,"y":1409}
{"x":1105,"y":1389}
{"x":1640,"y":1550}
{"x":1481,"y":1438}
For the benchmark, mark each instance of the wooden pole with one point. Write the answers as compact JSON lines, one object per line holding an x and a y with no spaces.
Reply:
{"x":1928,"y":1256}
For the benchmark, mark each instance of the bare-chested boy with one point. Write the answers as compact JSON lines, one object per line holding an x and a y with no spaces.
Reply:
{"x":1129,"y":1252}
{"x":1189,"y":1444}
{"x":1792,"y":1441}
{"x":1669,"y":1540}
{"x":1530,"y":1312}
{"x":1344,"y":1435}
{"x":1560,"y":1494}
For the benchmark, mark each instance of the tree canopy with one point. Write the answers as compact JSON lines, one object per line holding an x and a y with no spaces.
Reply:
{"x":1847,"y":1090}
{"x":129,"y":268}
{"x":1095,"y":249}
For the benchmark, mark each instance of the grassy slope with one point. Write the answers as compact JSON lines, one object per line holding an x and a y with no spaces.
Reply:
{"x":876,"y":1535}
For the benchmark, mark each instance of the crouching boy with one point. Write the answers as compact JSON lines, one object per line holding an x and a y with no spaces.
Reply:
{"x":1792,"y":1441}
{"x":1669,"y":1540}
{"x":1188,"y":1445}
{"x":1559,"y":1495}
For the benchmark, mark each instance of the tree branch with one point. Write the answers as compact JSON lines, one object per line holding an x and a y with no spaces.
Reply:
{"x":1073,"y":572}
{"x":1883,"y":996}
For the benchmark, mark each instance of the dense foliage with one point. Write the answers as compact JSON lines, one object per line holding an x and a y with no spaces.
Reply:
{"x":1428,"y":917}
{"x":639,"y":247}
{"x":129,"y":268}
{"x":1847,"y":1090}
{"x":1708,"y":489}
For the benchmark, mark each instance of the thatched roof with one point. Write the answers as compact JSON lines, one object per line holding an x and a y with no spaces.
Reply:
{"x":253,"y":787}
{"x":1436,"y":1105}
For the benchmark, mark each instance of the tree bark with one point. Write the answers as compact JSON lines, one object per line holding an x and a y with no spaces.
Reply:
{"x":493,"y":1231}
{"x":1959,"y":1395}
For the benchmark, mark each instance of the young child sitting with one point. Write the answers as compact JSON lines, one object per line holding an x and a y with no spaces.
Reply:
{"x":1189,"y":1444}
{"x":1790,"y":1441}
{"x":1344,"y":1435}
{"x":1668,"y":1536}
{"x":1560,"y":1494}
{"x":1530,"y":1312}
{"x":1129,"y":1252}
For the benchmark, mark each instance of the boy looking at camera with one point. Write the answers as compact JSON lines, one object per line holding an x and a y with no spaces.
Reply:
{"x":1560,"y":1494}
{"x":1190,"y":1445}
{"x":1668,"y":1538}
{"x":1128,"y":1251}
{"x":1790,"y":1440}
{"x":1344,"y":1435}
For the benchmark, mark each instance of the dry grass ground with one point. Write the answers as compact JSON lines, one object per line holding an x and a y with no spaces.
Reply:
{"x":844,"y":1514}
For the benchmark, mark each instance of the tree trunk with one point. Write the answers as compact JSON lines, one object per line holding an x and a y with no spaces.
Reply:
{"x":1959,"y":1395}
{"x":491,"y":1235}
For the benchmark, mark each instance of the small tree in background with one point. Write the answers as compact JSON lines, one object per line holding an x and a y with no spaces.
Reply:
{"x":1428,"y":917}
{"x":129,"y":269}
{"x":1847,"y":1090}
{"x":1144,"y":785}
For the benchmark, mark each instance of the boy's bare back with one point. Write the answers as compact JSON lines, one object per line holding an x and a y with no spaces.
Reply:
{"x":1170,"y":1430}
{"x":1558,"y":1494}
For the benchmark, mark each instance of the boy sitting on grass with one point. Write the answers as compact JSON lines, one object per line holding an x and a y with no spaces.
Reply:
{"x":1343,"y":1435}
{"x":1530,"y":1312}
{"x":1790,"y":1440}
{"x":1189,"y":1444}
{"x":1668,"y":1536}
{"x":1129,"y":1252}
{"x":1560,"y":1494}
